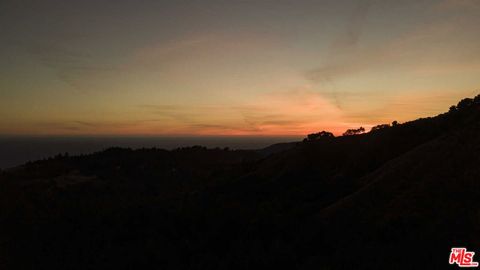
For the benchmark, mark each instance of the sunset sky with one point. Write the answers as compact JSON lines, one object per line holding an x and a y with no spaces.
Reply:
{"x":231,"y":67}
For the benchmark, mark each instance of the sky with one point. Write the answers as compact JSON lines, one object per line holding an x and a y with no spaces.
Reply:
{"x":260,"y":68}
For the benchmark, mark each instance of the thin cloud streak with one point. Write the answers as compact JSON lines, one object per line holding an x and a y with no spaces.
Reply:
{"x":280,"y":113}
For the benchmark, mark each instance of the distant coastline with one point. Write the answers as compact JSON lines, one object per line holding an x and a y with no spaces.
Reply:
{"x":17,"y":150}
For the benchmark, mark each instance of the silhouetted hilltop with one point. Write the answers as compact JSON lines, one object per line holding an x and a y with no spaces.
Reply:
{"x":424,"y":201}
{"x":397,"y":197}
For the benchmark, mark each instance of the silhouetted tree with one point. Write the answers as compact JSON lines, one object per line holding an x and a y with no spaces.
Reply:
{"x":353,"y":131}
{"x":464,"y":103}
{"x":381,"y":126}
{"x":319,"y":135}
{"x":394,"y":123}
{"x":476,"y":100}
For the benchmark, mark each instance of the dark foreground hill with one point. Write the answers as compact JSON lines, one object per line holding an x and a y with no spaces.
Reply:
{"x":395,"y":198}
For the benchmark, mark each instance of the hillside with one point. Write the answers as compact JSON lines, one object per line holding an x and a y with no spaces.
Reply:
{"x":398,"y":197}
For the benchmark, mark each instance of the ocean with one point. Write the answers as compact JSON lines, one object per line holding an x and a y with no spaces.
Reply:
{"x":17,"y":150}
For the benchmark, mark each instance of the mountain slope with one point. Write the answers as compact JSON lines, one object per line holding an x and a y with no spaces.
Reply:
{"x":398,"y":197}
{"x":412,"y":210}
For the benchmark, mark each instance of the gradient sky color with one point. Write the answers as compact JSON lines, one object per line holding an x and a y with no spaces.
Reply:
{"x":231,"y":67}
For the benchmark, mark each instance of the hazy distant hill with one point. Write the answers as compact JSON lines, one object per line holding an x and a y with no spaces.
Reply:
{"x":395,"y":198}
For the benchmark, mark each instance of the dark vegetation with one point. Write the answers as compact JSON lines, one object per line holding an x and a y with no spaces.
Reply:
{"x":354,"y":131}
{"x":318,"y":136}
{"x":398,"y":197}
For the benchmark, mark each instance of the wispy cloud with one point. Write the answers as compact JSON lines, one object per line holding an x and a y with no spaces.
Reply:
{"x":296,"y":111}
{"x":448,"y":5}
{"x":199,"y":47}
{"x":77,"y":68}
{"x":343,"y":48}
{"x":355,"y":26}
{"x":425,"y":46}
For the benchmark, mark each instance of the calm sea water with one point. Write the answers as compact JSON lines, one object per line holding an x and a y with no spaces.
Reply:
{"x":18,"y":150}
